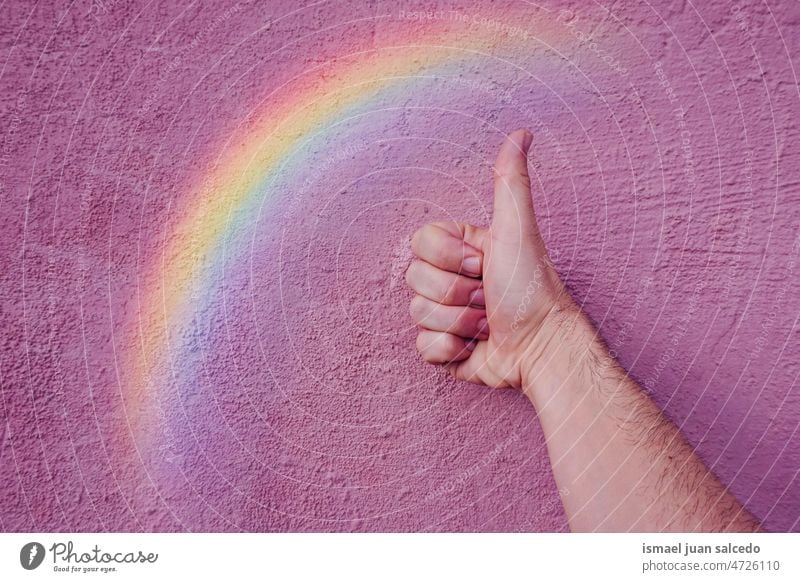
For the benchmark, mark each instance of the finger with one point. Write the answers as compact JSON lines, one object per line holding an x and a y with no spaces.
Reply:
{"x":442,"y":249}
{"x":438,"y":347}
{"x":468,"y":322}
{"x":469,"y":369}
{"x":513,"y":213}
{"x":473,"y":369}
{"x":474,"y":236}
{"x":443,"y":286}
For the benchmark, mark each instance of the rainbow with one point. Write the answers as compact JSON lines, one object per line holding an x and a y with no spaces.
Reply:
{"x":216,"y":211}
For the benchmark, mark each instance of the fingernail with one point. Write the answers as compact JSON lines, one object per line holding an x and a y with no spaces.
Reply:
{"x":483,"y":326}
{"x":472,"y":265}
{"x":527,"y":139}
{"x":477,"y":297}
{"x":471,"y":345}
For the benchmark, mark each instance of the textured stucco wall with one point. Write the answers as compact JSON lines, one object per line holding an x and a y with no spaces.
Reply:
{"x":205,"y":218}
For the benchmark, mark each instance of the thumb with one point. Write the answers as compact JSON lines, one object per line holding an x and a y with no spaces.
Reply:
{"x":513,"y":217}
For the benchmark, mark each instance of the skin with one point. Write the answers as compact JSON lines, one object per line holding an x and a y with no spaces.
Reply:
{"x":492,"y":310}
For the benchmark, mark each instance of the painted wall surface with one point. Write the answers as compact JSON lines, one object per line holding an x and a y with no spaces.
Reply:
{"x":206,"y":212}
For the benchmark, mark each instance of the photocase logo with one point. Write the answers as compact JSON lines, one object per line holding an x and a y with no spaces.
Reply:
{"x":31,"y":555}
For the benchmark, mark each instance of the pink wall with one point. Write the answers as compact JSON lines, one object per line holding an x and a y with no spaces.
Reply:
{"x":205,"y":219}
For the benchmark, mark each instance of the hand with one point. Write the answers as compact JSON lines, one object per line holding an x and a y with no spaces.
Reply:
{"x":489,"y":301}
{"x":493,"y":311}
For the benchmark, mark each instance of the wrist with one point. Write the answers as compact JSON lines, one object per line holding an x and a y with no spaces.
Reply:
{"x":565,"y":357}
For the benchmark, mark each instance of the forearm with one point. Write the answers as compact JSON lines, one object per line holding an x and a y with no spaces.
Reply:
{"x":625,"y":465}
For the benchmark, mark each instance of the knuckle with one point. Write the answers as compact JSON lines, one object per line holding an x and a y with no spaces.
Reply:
{"x":472,"y":232}
{"x":415,"y":241}
{"x":438,"y":254}
{"x":411,"y":273}
{"x":419,"y":237}
{"x":448,"y":226}
{"x":451,"y":344}
{"x":412,"y":309}
{"x":428,"y":357}
{"x":450,"y":293}
{"x":417,"y":309}
{"x":424,"y":347}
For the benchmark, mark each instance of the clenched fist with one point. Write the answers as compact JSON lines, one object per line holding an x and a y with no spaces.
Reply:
{"x":488,"y":299}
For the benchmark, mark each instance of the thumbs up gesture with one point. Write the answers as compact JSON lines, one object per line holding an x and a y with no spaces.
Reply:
{"x":489,"y":301}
